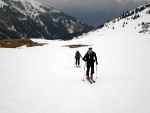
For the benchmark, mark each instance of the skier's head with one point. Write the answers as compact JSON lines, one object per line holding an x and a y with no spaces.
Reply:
{"x":77,"y":51}
{"x":90,"y":50}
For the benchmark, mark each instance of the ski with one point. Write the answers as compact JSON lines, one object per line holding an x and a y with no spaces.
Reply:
{"x":93,"y":81}
{"x":90,"y":82}
{"x":78,"y":67}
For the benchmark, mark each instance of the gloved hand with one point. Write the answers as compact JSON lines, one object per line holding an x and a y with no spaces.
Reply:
{"x":96,"y":63}
{"x":83,"y":59}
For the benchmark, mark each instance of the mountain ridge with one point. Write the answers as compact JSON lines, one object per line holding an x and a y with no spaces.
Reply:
{"x":138,"y":19}
{"x":32,"y":19}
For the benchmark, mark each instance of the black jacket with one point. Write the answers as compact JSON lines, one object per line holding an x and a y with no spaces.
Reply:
{"x":90,"y":58}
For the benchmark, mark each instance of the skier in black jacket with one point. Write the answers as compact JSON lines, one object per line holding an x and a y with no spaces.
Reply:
{"x":90,"y":57}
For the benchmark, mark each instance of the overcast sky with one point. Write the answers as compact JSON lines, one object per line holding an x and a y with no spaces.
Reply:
{"x":85,"y":3}
{"x":93,"y":12}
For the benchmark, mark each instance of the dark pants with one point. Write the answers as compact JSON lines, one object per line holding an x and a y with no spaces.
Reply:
{"x":90,"y":65}
{"x":77,"y":61}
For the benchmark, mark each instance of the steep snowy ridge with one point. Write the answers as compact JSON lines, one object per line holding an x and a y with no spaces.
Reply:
{"x":136,"y":19}
{"x":37,"y":7}
{"x":2,"y":4}
{"x":40,"y":7}
{"x":34,"y":20}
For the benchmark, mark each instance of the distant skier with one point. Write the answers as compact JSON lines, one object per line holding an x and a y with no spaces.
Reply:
{"x":90,"y":57}
{"x":77,"y":58}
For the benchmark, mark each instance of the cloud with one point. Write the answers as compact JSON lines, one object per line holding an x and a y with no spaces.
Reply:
{"x":93,"y":12}
{"x":86,"y":3}
{"x":133,"y":1}
{"x":66,"y":0}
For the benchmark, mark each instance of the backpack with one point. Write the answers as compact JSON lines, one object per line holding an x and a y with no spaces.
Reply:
{"x":77,"y":55}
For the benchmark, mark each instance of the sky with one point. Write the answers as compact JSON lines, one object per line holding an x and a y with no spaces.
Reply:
{"x":94,"y":12}
{"x":86,"y":3}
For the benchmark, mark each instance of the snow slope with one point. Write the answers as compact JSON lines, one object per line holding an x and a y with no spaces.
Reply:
{"x":44,"y":80}
{"x":2,"y":4}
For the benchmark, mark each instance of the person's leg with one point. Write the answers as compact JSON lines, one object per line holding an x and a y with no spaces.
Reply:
{"x":79,"y":61}
{"x":92,"y":70}
{"x":76,"y":61}
{"x":87,"y":71}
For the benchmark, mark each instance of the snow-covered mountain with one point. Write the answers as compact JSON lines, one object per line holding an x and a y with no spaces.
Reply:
{"x":28,"y":18}
{"x":137,"y":19}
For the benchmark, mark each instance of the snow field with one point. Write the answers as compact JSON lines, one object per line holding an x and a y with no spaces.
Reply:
{"x":43,"y":79}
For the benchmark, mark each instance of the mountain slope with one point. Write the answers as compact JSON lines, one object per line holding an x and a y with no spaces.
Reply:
{"x":28,"y":18}
{"x":136,"y":21}
{"x":138,"y":18}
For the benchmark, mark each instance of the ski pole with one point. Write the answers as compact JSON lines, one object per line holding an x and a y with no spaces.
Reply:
{"x":96,"y":70}
{"x":81,"y":63}
{"x":74,"y":63}
{"x":84,"y":71}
